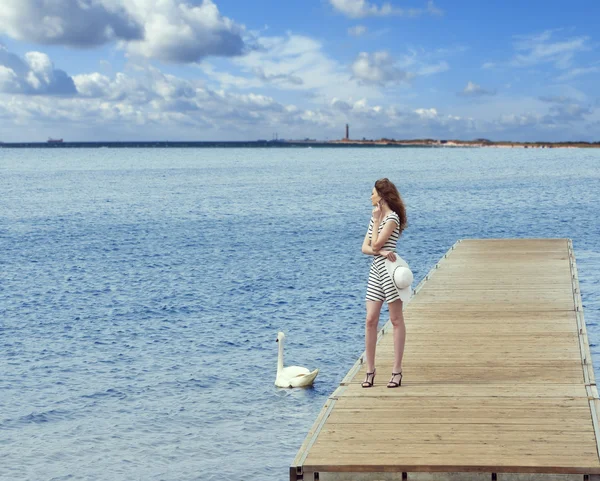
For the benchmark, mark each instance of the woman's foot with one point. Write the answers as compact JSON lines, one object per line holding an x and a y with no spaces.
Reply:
{"x":369,"y":379}
{"x":396,"y":380}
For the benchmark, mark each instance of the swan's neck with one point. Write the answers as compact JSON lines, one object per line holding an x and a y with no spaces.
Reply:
{"x":280,"y":358}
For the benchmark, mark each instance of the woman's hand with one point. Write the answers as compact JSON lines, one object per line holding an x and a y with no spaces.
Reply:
{"x":377,"y":212}
{"x":389,"y":255}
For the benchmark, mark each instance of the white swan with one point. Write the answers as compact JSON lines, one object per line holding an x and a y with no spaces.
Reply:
{"x":292,"y":376}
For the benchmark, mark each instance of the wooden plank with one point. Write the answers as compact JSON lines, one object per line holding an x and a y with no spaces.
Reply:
{"x":492,"y":462}
{"x":459,"y":433}
{"x":430,"y":373}
{"x":425,"y":403}
{"x":578,"y":419}
{"x":498,"y":375}
{"x":509,"y":449}
{"x":499,"y":299}
{"x":484,"y":322}
{"x":439,"y":390}
{"x":513,"y":245}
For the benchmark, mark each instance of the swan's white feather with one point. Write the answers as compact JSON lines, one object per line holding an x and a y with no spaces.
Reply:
{"x":292,"y":376}
{"x":293,"y":371}
{"x":305,"y":379}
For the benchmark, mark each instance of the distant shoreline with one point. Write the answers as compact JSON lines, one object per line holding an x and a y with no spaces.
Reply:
{"x":426,"y":143}
{"x":471,"y":143}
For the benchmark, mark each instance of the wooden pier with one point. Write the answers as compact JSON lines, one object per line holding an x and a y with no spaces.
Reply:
{"x":498,"y":379}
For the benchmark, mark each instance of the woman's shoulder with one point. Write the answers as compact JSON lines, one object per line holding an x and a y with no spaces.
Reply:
{"x":393,"y":216}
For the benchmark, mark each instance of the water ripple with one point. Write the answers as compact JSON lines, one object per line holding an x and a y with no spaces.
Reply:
{"x":141,"y":294}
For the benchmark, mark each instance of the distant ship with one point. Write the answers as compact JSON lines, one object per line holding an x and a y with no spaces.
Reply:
{"x":54,"y":141}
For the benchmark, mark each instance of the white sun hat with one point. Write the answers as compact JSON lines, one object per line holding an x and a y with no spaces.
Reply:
{"x":401,"y":276}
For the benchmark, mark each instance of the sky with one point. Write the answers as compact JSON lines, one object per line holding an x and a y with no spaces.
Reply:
{"x":99,"y":70}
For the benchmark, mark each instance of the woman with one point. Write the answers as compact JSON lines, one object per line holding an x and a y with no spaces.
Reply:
{"x":387,"y":223}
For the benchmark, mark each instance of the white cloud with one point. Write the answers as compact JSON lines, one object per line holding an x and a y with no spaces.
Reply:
{"x":341,"y":105}
{"x":168,"y":106}
{"x":182,"y":33}
{"x":122,"y":88}
{"x":517,"y":120}
{"x":92,"y":85}
{"x":565,"y":113}
{"x":77,"y":23}
{"x":158,"y":101}
{"x":298,"y":65}
{"x":427,"y":113}
{"x":562,"y":115}
{"x":379,"y":68}
{"x":488,"y":65}
{"x":474,"y":90}
{"x":180,"y":109}
{"x":364,"y":8}
{"x":540,"y":48}
{"x":232,"y":80}
{"x":293,"y":63}
{"x":143,"y":87}
{"x":576,"y":72}
{"x":151,"y":91}
{"x":9,"y":82}
{"x":146,"y":103}
{"x":434,"y":69}
{"x":360,"y":8}
{"x":357,"y":30}
{"x":282,"y":77}
{"x":34,"y":74}
{"x":168,"y":30}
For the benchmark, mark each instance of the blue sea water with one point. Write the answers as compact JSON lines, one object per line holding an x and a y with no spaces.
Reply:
{"x":141,"y":290}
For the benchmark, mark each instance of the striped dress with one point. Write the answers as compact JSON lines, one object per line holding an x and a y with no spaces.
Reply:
{"x":380,"y":286}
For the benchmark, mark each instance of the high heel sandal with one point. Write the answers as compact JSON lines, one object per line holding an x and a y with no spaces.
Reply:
{"x":366,"y":382}
{"x":393,"y":384}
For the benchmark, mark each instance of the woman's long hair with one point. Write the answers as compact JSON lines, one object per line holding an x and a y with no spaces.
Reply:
{"x":388,"y":192}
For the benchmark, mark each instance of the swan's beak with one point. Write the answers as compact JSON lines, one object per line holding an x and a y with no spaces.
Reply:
{"x":276,"y":340}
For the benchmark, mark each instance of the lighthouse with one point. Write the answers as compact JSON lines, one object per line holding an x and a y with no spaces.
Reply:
{"x":347,"y":132}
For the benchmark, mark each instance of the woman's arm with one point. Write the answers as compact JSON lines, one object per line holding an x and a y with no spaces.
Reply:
{"x":375,"y":250}
{"x":379,"y":241}
{"x":376,"y":222}
{"x":367,"y":249}
{"x":366,"y":246}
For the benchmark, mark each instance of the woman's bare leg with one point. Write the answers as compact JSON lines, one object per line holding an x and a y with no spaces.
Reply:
{"x":397,"y":320}
{"x":373,"y":310}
